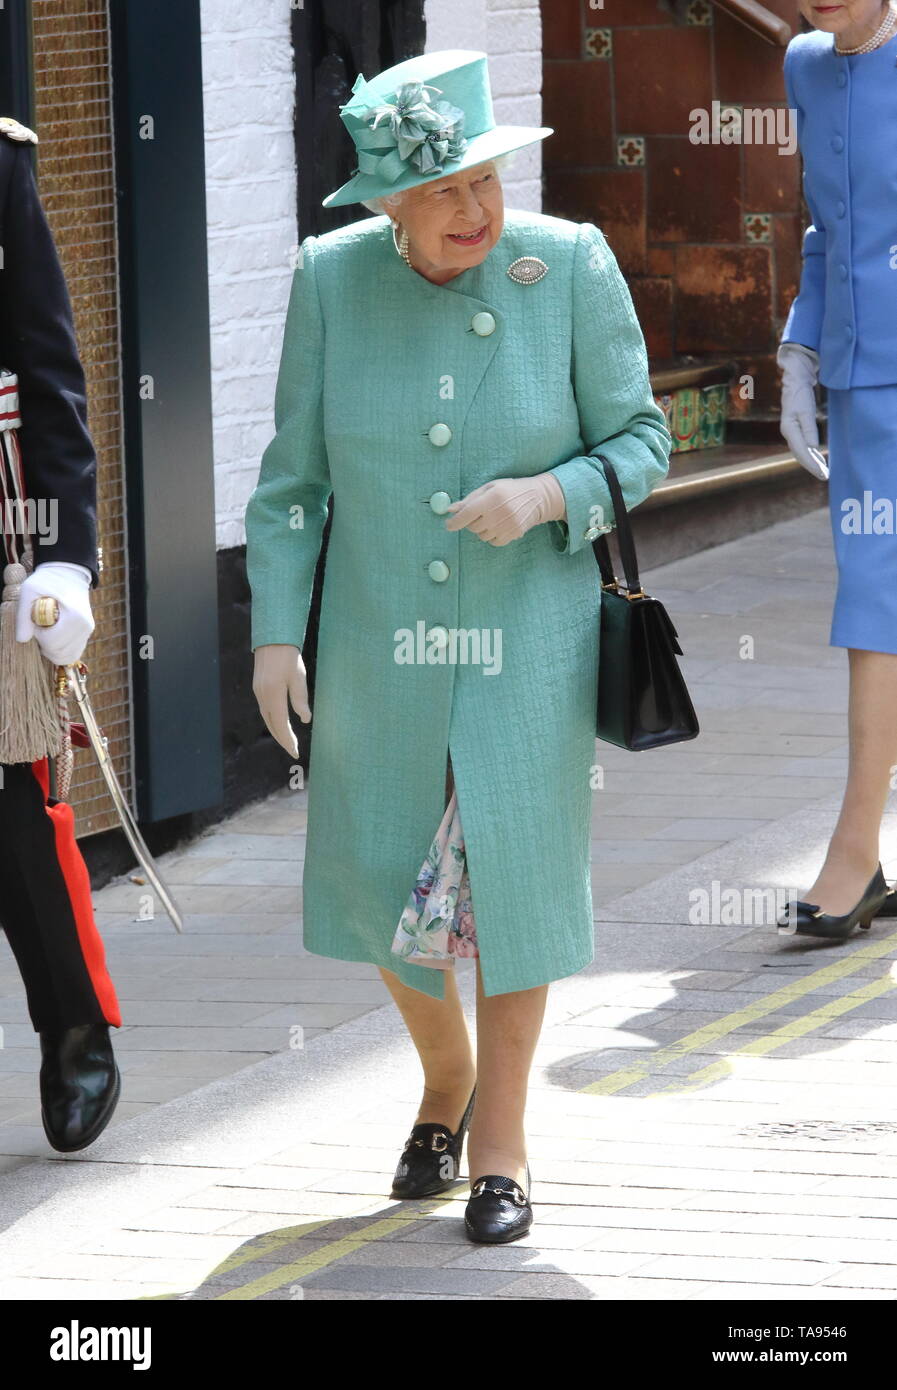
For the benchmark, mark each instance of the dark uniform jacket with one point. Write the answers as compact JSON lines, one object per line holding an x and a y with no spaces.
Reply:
{"x":37,"y":342}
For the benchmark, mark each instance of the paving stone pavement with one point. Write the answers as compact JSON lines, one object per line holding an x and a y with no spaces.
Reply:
{"x":711,"y":1108}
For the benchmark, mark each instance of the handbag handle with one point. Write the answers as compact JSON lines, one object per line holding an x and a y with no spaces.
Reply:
{"x":625,"y":539}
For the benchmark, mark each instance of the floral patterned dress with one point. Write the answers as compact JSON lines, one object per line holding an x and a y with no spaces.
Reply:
{"x":438,"y":923}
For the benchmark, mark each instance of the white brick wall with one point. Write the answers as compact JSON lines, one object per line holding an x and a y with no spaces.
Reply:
{"x":510,"y":31}
{"x":248,"y":93}
{"x":248,"y":88}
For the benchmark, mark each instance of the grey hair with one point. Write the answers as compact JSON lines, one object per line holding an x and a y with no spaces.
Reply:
{"x":389,"y":203}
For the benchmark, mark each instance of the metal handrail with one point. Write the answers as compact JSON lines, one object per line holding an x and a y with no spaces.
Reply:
{"x":718,"y":480}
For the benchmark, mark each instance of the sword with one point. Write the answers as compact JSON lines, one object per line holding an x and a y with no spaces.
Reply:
{"x":100,"y":745}
{"x":45,"y":613}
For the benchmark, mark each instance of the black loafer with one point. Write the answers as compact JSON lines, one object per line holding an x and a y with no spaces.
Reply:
{"x":79,"y":1085}
{"x":431,"y":1158}
{"x":806,"y":919}
{"x":498,"y":1211}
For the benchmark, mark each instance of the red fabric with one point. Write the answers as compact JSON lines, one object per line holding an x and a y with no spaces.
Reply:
{"x":77,"y":881}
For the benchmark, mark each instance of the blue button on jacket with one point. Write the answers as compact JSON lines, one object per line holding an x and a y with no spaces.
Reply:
{"x":847,"y":129}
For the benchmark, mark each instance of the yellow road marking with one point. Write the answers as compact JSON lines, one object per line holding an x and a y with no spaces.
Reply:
{"x":758,"y":1047}
{"x":326,"y":1255}
{"x":269,"y":1242}
{"x":711,"y":1032}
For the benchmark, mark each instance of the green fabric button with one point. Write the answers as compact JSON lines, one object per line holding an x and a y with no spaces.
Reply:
{"x":438,"y":635}
{"x":439,"y":435}
{"x":483,"y":324}
{"x":440,"y":503}
{"x":438,"y":570}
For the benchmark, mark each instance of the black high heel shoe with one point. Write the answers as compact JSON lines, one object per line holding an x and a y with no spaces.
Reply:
{"x":807,"y":919}
{"x":431,"y":1158}
{"x":498,"y":1211}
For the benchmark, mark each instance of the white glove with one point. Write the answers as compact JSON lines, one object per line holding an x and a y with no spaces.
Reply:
{"x":800,"y":373}
{"x":278,"y":681}
{"x":505,"y":509}
{"x":69,"y":584}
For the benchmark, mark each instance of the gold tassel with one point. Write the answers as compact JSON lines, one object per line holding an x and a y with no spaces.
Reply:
{"x":29,"y":714}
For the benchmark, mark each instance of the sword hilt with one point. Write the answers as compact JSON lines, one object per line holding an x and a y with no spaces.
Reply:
{"x":45,"y":612}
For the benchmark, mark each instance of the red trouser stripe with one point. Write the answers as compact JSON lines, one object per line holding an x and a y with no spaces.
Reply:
{"x":77,"y":882}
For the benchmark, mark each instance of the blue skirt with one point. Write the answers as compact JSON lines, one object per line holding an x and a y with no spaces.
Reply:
{"x":862,"y":440}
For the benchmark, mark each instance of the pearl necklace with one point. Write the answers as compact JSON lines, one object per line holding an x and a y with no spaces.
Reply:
{"x":886,"y":25}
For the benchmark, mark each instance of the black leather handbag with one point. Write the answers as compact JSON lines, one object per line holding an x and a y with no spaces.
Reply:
{"x":643,"y":701}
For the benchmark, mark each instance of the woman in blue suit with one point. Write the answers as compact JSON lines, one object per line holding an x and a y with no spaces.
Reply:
{"x":842,"y":331}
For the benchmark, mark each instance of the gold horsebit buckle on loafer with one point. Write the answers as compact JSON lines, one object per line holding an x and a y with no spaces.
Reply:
{"x":516,"y":1195}
{"x":438,"y":1143}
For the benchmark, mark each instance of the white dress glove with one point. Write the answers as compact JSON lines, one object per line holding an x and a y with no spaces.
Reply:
{"x":505,"y":509}
{"x":69,"y":584}
{"x":279,"y":681}
{"x":800,"y":373}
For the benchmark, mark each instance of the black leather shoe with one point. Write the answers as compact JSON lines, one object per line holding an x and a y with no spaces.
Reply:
{"x":806,"y":919}
{"x":431,"y":1158}
{"x":79,"y":1085}
{"x":498,"y":1211}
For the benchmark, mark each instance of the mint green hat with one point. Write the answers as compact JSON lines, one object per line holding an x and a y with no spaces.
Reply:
{"x":425,"y":118}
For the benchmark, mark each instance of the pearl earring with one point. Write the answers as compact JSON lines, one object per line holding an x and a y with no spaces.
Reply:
{"x":401,"y":245}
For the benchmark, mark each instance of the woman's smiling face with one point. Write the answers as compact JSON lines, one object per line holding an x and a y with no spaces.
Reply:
{"x":454,"y":222}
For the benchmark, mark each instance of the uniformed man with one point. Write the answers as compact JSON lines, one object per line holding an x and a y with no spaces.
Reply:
{"x":45,"y":906}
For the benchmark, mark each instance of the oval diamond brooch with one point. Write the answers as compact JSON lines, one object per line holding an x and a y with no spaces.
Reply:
{"x":528,"y":270}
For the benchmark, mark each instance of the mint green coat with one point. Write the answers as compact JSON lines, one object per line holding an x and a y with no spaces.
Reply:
{"x":521,"y":379}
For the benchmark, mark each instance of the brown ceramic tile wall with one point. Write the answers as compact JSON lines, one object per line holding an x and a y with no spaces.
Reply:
{"x":708,"y":236}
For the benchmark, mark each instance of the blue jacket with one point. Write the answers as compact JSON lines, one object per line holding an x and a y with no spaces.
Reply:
{"x":847,"y":129}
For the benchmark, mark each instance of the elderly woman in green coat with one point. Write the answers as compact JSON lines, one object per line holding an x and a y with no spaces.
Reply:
{"x":449,"y":373}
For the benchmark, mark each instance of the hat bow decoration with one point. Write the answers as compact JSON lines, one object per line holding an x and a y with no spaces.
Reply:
{"x":423,"y":119}
{"x":416,"y":133}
